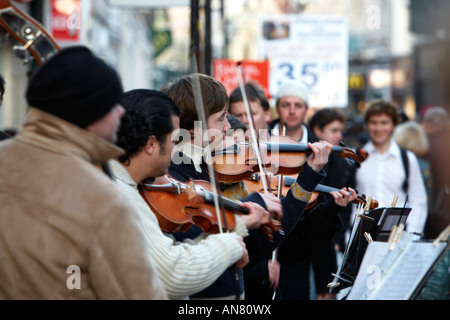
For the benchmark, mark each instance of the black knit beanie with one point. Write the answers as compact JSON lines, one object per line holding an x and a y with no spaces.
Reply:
{"x":76,"y":86}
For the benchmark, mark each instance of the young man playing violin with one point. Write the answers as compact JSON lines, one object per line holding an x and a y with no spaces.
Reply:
{"x":293,"y":96}
{"x":146,"y":136}
{"x":215,"y":100}
{"x":258,"y":103}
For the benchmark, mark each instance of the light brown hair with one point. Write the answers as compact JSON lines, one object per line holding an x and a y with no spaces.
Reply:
{"x":411,"y":136}
{"x":181,"y":91}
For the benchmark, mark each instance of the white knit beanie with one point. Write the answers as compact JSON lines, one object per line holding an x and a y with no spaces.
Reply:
{"x":294,"y":88}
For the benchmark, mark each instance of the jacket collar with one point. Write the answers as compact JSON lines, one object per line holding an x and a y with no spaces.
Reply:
{"x":194,"y":152}
{"x":59,"y":136}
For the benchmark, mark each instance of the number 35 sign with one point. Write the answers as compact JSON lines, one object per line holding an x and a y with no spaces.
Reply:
{"x":312,"y":49}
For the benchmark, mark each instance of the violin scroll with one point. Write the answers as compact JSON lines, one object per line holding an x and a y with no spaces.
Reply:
{"x":274,"y":226}
{"x":362,"y":154}
{"x":362,"y":199}
{"x":359,"y":156}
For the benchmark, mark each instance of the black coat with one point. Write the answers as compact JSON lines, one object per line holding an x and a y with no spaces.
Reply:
{"x":316,"y":234}
{"x":259,"y":248}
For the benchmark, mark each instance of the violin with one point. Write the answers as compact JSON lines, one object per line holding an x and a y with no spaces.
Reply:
{"x":254,"y":185}
{"x":34,"y":40}
{"x":179,"y":205}
{"x":235,"y":159}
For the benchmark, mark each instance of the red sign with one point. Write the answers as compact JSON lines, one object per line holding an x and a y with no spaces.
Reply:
{"x":224,"y":70}
{"x":65,"y":20}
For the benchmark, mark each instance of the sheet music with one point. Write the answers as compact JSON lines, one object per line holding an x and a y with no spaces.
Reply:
{"x":407,"y":274}
{"x":394,"y":275}
{"x":363,"y":286}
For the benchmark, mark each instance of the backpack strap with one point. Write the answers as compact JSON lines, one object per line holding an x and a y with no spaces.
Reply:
{"x":406,"y":167}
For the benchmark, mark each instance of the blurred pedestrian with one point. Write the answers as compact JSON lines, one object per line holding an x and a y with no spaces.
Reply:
{"x":410,"y":135}
{"x":386,"y":173}
{"x":66,"y":230}
{"x":436,"y":124}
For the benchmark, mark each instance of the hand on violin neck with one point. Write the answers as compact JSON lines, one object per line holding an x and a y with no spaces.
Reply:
{"x":319,"y":157}
{"x":344,"y":196}
{"x":257,"y":217}
{"x":273,"y":205}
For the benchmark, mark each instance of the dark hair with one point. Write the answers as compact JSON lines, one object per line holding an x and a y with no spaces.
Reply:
{"x":2,"y":85}
{"x":181,"y":90}
{"x":379,"y":106}
{"x":323,"y":117}
{"x":254,"y":93}
{"x":147,"y":113}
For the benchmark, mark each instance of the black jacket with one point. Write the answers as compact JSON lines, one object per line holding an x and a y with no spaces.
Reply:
{"x":258,"y":246}
{"x":311,"y":241}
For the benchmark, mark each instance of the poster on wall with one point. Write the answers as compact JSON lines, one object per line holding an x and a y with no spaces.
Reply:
{"x":312,"y":49}
{"x":65,"y":20}
{"x":224,"y":70}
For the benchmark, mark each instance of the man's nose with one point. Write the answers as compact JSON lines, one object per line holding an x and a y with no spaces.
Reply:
{"x":226,"y":125}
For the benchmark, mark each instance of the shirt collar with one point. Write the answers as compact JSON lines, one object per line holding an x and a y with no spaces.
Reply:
{"x":194,"y":152}
{"x":276,"y":131}
{"x":120,"y":173}
{"x":392,"y":151}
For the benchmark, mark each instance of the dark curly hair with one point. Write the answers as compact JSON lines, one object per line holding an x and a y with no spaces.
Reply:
{"x":148,"y":112}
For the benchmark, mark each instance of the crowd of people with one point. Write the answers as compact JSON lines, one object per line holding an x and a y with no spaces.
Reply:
{"x":75,"y":221}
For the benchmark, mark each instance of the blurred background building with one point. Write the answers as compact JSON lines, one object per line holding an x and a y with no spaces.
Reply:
{"x":397,"y":49}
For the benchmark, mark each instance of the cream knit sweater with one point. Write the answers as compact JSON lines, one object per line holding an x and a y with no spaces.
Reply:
{"x":184,"y":268}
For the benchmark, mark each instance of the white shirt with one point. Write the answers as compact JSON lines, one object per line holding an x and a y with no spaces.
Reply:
{"x":304,"y":140}
{"x":381,"y":177}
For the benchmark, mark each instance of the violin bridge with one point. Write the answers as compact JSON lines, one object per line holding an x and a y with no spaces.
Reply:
{"x":190,"y":190}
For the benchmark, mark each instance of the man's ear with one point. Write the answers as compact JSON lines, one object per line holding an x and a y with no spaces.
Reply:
{"x":317,"y":131}
{"x":268,"y":116}
{"x":191,"y":133}
{"x":151,"y":144}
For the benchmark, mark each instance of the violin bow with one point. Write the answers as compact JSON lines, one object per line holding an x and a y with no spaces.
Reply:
{"x":239,"y":71}
{"x":280,"y":177}
{"x":251,"y":122}
{"x":196,"y":90}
